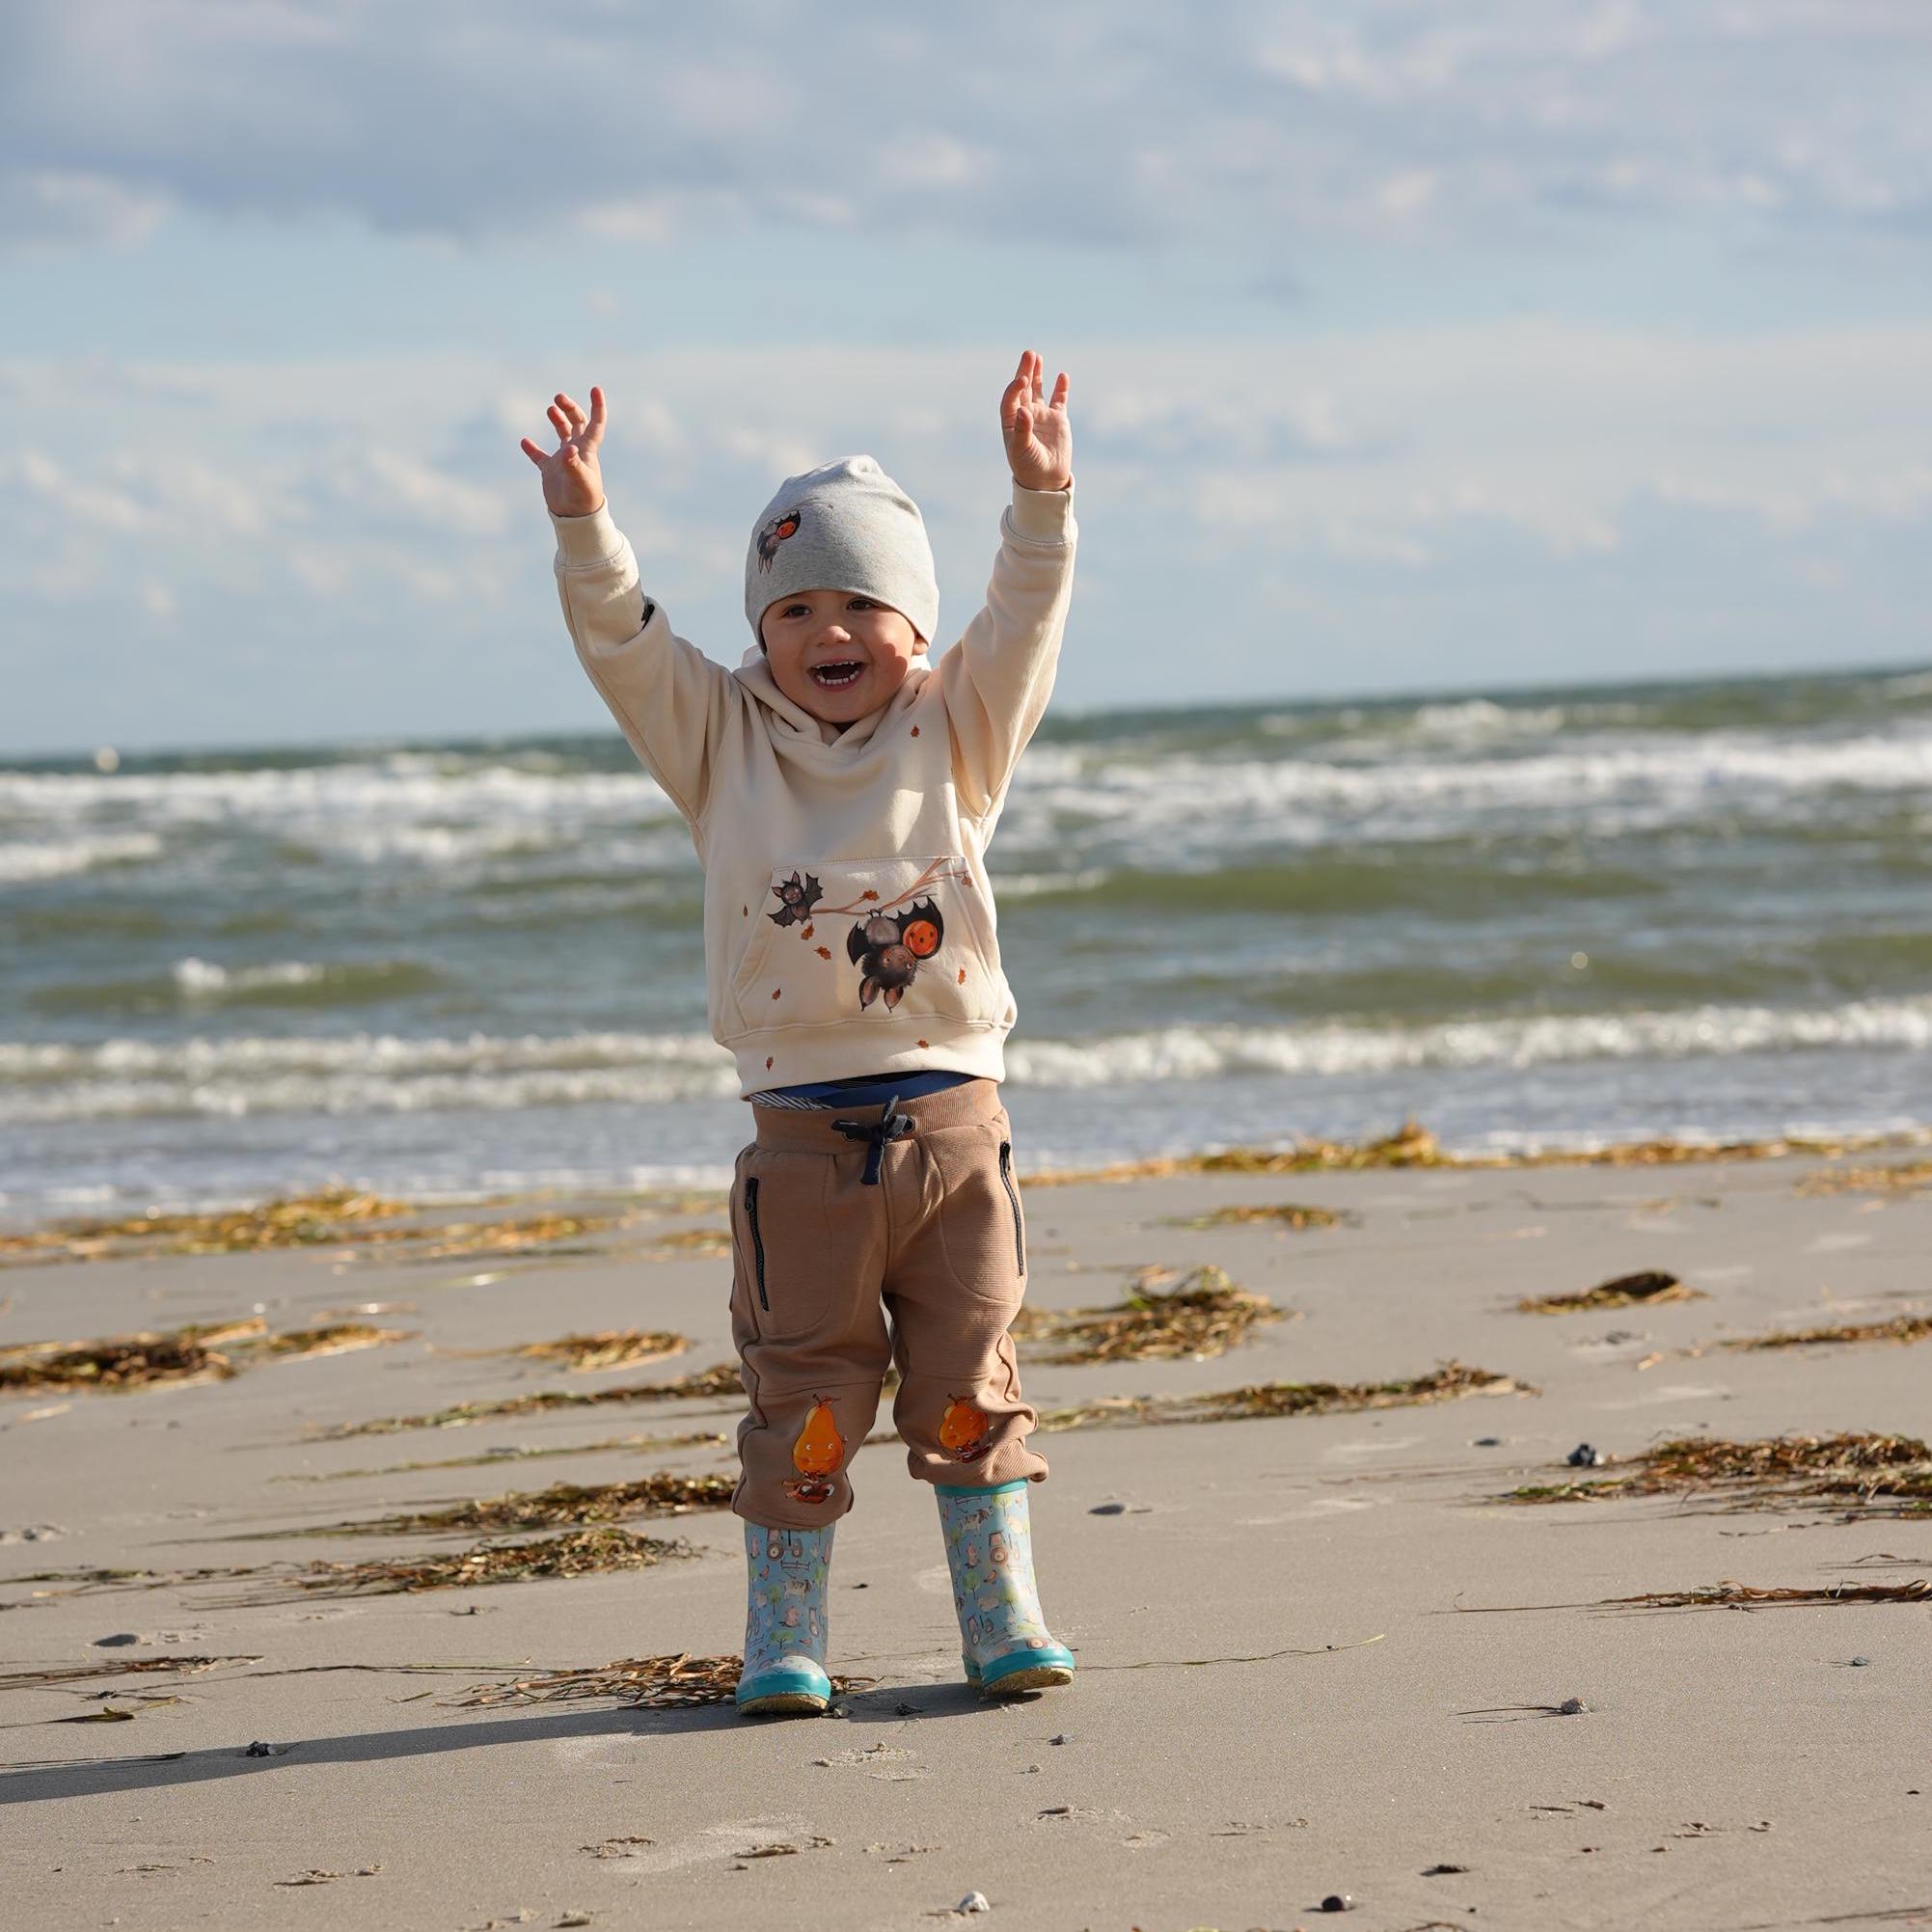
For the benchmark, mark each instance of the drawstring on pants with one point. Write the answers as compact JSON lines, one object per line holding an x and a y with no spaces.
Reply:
{"x":890,"y":1126}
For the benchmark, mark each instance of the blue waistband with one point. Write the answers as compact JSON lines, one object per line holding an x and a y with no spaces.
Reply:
{"x":862,"y":1089}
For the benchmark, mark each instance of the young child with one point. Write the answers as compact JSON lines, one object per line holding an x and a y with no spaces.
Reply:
{"x":841,"y":790}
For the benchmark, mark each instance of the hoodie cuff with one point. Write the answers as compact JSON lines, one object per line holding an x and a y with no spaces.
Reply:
{"x":588,"y":540}
{"x":1043,"y":514}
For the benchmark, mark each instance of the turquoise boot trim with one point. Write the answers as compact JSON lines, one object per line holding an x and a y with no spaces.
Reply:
{"x":1006,"y":1647}
{"x":786,"y":1620}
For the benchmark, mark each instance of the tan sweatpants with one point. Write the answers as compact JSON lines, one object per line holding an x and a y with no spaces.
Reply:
{"x":821,"y":1257}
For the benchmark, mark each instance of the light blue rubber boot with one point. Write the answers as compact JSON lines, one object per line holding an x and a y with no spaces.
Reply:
{"x":786,"y":1620}
{"x":990,"y":1551}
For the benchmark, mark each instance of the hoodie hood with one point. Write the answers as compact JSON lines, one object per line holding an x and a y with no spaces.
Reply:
{"x":796,"y":722}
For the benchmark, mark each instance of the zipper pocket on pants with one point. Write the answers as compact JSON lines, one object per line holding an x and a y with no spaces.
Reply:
{"x":757,"y":1240}
{"x":1006,"y":1178}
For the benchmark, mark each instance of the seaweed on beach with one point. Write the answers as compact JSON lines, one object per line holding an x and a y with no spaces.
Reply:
{"x":1731,"y":1596}
{"x":186,"y":1354}
{"x":1902,"y":1329}
{"x":607,"y":1349}
{"x":1905,"y":1177}
{"x":1294,"y":1217}
{"x":1877,"y":1475}
{"x":703,"y":1439}
{"x":1645,"y":1289}
{"x":336,"y":1216}
{"x":333,"y":1339}
{"x":720,"y":1380}
{"x":702,"y":1242}
{"x":40,"y":1676}
{"x":585,"y":1552}
{"x":1448,"y":1383}
{"x":142,"y":1360}
{"x":652,"y":1683}
{"x":1207,"y":1315}
{"x":563,"y":1503}
{"x":1412,"y":1145}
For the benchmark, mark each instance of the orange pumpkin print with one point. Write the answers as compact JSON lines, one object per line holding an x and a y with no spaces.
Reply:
{"x":920,"y":938}
{"x":817,"y":1454}
{"x":965,"y":1433}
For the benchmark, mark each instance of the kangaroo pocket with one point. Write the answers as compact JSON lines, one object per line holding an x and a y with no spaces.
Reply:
{"x":868,"y":940}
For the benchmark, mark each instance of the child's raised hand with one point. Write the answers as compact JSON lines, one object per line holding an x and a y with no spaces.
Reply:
{"x":573,"y":485}
{"x":1039,"y":437}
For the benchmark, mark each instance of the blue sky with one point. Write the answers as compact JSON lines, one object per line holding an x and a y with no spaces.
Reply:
{"x":1415,"y":343}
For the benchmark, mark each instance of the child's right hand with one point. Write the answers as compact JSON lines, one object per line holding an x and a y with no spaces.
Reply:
{"x":573,"y":485}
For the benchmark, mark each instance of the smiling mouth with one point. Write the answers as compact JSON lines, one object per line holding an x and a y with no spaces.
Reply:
{"x":837,"y":676}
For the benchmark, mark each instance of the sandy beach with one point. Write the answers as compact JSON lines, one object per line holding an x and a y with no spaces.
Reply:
{"x":1321,"y":1656}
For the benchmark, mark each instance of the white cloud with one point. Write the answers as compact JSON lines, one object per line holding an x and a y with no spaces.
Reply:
{"x":1457,"y":118}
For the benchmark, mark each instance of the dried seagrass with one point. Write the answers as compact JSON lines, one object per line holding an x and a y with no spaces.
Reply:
{"x":119,"y":1362}
{"x":1292,"y":1215}
{"x":1645,"y":1289}
{"x":1907,"y":1176}
{"x":1728,"y":1596}
{"x":1900,"y":1329}
{"x":1878,"y":1475}
{"x":1448,"y":1383}
{"x":1207,"y":1315}
{"x":587,"y":1552}
{"x":654,"y":1683}
{"x":521,"y":1452}
{"x":663,"y":1494}
{"x":607,"y":1349}
{"x":186,"y":1354}
{"x":334,"y":1217}
{"x":720,"y":1380}
{"x":1414,"y":1146}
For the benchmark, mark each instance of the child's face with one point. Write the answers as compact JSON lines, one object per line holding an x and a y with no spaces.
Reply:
{"x":813,"y":633}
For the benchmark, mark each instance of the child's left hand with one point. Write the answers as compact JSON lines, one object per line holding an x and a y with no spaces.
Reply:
{"x":1039,"y":437}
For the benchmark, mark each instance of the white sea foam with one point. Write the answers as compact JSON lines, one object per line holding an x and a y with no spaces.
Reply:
{"x":203,"y":979}
{"x":55,"y":858}
{"x":1645,"y":781}
{"x":1453,"y":769}
{"x":385,"y":1073}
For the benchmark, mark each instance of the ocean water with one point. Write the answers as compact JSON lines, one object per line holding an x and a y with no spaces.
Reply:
{"x":1544,"y":919}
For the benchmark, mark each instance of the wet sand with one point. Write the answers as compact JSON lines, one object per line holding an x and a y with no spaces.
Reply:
{"x":1289,"y":1686}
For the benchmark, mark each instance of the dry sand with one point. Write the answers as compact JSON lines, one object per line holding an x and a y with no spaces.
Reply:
{"x":1283,"y":1693}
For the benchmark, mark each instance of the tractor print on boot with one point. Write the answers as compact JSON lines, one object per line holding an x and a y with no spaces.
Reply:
{"x":1006,"y":1645}
{"x":786,"y":1620}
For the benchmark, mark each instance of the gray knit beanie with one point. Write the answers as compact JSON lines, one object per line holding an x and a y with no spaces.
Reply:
{"x":845,"y":525}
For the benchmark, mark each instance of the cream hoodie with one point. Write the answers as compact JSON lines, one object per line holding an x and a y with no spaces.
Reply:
{"x":849,"y":923}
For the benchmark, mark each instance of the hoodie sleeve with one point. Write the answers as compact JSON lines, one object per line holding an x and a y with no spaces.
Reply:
{"x":998,"y":678}
{"x":671,"y":699}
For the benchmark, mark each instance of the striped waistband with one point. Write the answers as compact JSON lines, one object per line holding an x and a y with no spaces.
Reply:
{"x":859,"y":1091}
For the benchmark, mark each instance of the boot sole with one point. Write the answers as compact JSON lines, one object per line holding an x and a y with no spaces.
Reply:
{"x":1054,"y":1669}
{"x":1033,"y":1677}
{"x":802,"y":1703}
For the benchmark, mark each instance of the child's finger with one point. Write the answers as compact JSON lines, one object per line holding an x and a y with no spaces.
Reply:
{"x":537,"y":456}
{"x":597,"y":415}
{"x":1060,"y":387}
{"x":577,"y":417}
